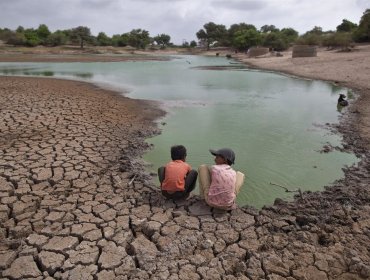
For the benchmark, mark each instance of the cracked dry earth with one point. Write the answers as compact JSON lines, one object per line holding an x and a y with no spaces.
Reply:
{"x":69,"y":208}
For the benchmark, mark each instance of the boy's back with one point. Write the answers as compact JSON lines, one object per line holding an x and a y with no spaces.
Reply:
{"x":177,"y":178}
{"x":175,"y":174}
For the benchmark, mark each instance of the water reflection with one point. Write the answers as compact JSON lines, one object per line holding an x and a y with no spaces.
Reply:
{"x":222,"y":67}
{"x":335,"y":89}
{"x":339,"y":108}
{"x":45,"y":73}
{"x":15,"y":71}
{"x":33,"y":71}
{"x":84,"y":75}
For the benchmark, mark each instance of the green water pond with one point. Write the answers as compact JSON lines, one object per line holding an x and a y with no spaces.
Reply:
{"x":277,"y":125}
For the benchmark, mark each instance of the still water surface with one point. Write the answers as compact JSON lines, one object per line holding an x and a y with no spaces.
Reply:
{"x":274,"y":123}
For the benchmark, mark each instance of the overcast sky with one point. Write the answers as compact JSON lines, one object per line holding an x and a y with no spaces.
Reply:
{"x":180,"y":19}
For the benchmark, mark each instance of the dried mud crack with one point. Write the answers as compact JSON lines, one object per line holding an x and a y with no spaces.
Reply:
{"x":67,"y":153}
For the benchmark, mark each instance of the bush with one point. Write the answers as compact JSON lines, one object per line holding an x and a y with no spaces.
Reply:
{"x":309,"y":39}
{"x":275,"y":41}
{"x":16,"y":39}
{"x":339,"y":39}
{"x":56,"y":39}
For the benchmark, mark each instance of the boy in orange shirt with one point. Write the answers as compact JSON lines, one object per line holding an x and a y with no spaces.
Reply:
{"x":177,"y":178}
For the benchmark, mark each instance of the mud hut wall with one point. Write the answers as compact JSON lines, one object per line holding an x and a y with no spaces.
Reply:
{"x":253,"y":52}
{"x":304,"y":51}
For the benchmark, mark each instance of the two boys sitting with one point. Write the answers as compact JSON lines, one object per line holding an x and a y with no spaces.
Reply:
{"x":218,"y":184}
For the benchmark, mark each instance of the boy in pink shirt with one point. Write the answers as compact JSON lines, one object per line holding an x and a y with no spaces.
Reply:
{"x":220,"y":184}
{"x":177,"y":178}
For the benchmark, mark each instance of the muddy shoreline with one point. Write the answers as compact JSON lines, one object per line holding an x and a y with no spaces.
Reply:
{"x":70,"y":210}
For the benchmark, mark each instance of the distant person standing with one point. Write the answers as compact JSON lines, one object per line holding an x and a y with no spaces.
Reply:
{"x":176,"y":177}
{"x":220,"y":184}
{"x":342,"y":101}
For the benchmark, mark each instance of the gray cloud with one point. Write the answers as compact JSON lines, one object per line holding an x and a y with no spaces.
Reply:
{"x":96,"y":4}
{"x":239,"y":4}
{"x":364,"y":4}
{"x":180,"y":19}
{"x":158,"y":1}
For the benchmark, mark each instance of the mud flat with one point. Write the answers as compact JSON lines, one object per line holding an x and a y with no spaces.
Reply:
{"x":76,"y":203}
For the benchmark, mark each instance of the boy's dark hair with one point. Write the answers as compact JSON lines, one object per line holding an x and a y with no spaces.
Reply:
{"x":178,"y":152}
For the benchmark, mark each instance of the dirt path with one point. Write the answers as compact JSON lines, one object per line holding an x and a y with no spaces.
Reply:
{"x":68,"y":151}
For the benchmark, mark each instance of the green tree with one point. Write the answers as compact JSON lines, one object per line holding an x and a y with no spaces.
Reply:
{"x":116,"y":41}
{"x":43,"y":33}
{"x":20,"y":29}
{"x":211,"y":33}
{"x":80,"y":34}
{"x":103,"y":39}
{"x":289,"y":35}
{"x":193,"y":44}
{"x":362,"y":34}
{"x":202,"y":37}
{"x":346,"y":26}
{"x":338,"y":39}
{"x":163,"y":40}
{"x":238,"y":28}
{"x":311,"y":37}
{"x":5,"y":34}
{"x":120,"y":40}
{"x":138,"y":38}
{"x":275,"y":41}
{"x":58,"y":38}
{"x":16,"y":39}
{"x":32,"y":39}
{"x":246,"y":38}
{"x":317,"y":30}
{"x":269,"y":28}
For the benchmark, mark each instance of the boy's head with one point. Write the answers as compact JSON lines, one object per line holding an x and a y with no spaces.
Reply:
{"x":178,"y":152}
{"x":225,"y":153}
